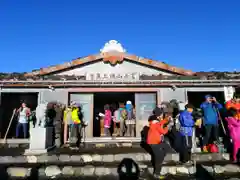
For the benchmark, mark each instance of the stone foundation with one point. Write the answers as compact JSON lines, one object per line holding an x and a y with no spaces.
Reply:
{"x":75,"y":171}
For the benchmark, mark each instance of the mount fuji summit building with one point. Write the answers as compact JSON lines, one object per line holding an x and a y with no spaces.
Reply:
{"x":111,"y":76}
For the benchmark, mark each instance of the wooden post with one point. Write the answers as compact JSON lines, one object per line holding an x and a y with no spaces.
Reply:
{"x":9,"y":125}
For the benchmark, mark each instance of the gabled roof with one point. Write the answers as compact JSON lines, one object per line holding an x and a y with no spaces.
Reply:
{"x":112,"y":48}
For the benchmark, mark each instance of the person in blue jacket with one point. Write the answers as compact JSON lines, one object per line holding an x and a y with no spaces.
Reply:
{"x":186,"y":131}
{"x":210,"y":110}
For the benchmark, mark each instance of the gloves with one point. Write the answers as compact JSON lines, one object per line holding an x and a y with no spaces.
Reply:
{"x":198,"y":123}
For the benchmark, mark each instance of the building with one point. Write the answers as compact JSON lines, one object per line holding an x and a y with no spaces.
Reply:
{"x":113,"y":75}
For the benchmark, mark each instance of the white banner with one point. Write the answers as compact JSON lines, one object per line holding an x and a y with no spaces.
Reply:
{"x":228,"y":92}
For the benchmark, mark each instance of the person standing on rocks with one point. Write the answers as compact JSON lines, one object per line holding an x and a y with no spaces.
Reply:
{"x":158,"y":127}
{"x":210,"y":110}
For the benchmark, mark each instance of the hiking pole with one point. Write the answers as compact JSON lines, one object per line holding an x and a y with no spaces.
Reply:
{"x":9,"y":125}
{"x":221,"y":121}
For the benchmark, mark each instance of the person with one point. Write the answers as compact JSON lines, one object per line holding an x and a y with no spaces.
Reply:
{"x":116,"y":120}
{"x":210,"y":110}
{"x":158,"y":127}
{"x":107,"y":120}
{"x":234,"y":103}
{"x":57,"y":121}
{"x":186,"y":130}
{"x":67,"y":121}
{"x":234,"y":131}
{"x":123,"y":117}
{"x":130,"y":123}
{"x":23,"y":113}
{"x":76,"y":125}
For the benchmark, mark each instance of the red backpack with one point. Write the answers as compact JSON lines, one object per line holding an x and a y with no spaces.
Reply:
{"x":213,"y":148}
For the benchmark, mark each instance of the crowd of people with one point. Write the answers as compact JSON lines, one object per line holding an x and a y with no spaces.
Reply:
{"x":167,"y":126}
{"x":167,"y":130}
{"x":121,"y":117}
{"x":68,"y":121}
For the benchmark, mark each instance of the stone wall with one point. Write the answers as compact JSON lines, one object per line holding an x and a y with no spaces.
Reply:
{"x":65,"y":165}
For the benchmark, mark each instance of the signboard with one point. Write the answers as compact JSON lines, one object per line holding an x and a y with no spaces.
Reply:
{"x":229,"y":93}
{"x":112,"y":76}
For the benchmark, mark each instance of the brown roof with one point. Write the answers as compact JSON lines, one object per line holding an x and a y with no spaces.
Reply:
{"x":93,"y":58}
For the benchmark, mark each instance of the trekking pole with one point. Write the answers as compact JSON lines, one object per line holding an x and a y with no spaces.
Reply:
{"x":9,"y":125}
{"x":221,"y":121}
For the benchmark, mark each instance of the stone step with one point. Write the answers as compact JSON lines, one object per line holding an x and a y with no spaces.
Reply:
{"x":85,"y":159}
{"x":180,"y":172}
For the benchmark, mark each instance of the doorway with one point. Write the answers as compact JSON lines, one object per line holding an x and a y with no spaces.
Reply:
{"x":10,"y":101}
{"x":111,"y":98}
{"x":196,"y":98}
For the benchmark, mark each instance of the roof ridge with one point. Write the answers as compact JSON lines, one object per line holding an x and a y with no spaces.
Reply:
{"x":92,"y":58}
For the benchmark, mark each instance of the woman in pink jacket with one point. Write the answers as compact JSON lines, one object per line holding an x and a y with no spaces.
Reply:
{"x":107,"y":120}
{"x":234,"y":131}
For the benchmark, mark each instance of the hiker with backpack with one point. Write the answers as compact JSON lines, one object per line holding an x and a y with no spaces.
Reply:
{"x":122,"y":114}
{"x":158,"y":127}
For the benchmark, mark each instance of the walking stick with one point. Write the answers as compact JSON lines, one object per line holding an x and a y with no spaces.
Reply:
{"x":9,"y":125}
{"x":221,"y":121}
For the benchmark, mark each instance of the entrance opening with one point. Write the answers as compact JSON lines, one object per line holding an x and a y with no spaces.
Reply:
{"x":196,"y":98}
{"x":10,"y":101}
{"x":111,"y":98}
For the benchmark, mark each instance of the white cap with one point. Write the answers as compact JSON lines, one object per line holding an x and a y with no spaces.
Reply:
{"x":129,"y":102}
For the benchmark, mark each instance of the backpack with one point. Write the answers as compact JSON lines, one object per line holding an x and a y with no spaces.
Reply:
{"x":144,"y":135}
{"x":213,"y":148}
{"x":123,"y":114}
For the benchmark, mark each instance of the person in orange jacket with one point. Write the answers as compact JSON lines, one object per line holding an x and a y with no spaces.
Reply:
{"x":235,"y":104}
{"x":158,"y":127}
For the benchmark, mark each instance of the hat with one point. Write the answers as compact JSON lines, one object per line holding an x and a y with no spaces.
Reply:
{"x":157,"y":111}
{"x":129,"y":102}
{"x":208,"y":96}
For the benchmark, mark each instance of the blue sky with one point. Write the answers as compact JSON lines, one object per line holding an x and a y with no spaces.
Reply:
{"x":194,"y":34}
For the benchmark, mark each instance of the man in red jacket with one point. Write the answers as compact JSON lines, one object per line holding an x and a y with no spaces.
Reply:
{"x":158,"y":127}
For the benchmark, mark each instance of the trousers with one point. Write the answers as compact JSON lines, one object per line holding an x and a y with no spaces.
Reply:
{"x":25,"y":129}
{"x":211,"y":134}
{"x":185,"y":152}
{"x":159,"y":151}
{"x":236,"y":147}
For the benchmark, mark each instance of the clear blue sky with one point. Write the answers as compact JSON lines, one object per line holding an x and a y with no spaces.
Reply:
{"x":194,"y":34}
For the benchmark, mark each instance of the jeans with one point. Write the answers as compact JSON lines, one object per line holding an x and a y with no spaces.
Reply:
{"x":159,"y":151}
{"x":211,"y":134}
{"x":25,"y":129}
